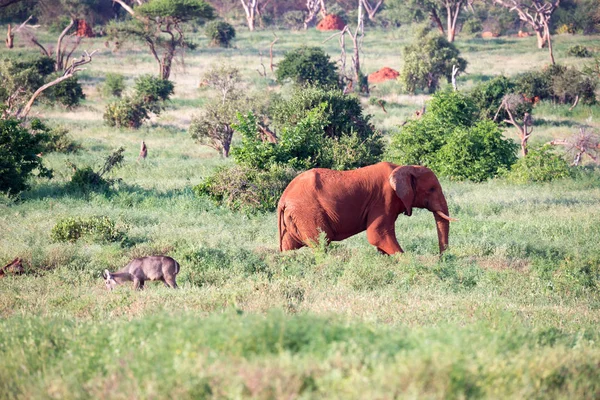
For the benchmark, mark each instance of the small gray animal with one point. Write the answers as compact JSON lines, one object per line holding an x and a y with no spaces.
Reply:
{"x":139,"y":270}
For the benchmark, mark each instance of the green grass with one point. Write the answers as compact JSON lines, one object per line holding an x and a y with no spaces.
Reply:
{"x":510,"y":311}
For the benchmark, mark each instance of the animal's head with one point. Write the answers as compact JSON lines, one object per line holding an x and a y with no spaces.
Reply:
{"x":419,"y":187}
{"x":109,"y":280}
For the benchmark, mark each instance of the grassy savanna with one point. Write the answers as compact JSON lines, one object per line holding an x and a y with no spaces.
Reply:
{"x":511,"y":310}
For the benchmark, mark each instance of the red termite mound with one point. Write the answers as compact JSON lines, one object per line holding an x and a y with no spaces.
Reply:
{"x":384,"y":74}
{"x":331,"y":23}
{"x":83,"y":29}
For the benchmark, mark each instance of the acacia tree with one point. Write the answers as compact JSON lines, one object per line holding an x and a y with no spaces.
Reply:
{"x":537,"y":14}
{"x":161,"y":25}
{"x":314,"y":7}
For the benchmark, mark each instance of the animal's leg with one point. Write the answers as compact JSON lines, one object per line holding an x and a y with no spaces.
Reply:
{"x":171,"y":282}
{"x":288,"y":233}
{"x":382,"y":236}
{"x":138,"y":284}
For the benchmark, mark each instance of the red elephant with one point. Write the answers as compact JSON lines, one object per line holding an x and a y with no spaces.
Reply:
{"x":344,"y":203}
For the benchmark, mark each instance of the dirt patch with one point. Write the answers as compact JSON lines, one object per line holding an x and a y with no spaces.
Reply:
{"x":331,"y":23}
{"x":384,"y":74}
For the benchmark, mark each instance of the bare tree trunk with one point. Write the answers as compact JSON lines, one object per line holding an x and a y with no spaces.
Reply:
{"x":549,"y":40}
{"x":541,"y":39}
{"x":453,"y":8}
{"x":9,"y":38}
{"x":372,"y":10}
{"x":250,"y":7}
{"x":313,"y":7}
{"x":59,"y":64}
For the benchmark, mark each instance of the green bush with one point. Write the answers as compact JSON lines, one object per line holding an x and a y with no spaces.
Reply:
{"x":18,"y":156}
{"x":316,"y":128}
{"x":86,"y":179}
{"x":539,"y":165}
{"x":96,"y":229}
{"x":476,"y":153}
{"x":152,"y":89}
{"x":307,"y":65}
{"x":220,"y":33}
{"x":579,"y":51}
{"x":488,"y":96}
{"x":451,"y":140}
{"x":126,"y":113}
{"x":114,"y":85}
{"x":428,"y":59}
{"x":243,"y":188}
{"x":533,"y":84}
{"x":570,"y":84}
{"x":472,"y":26}
{"x":67,"y":93}
{"x":56,"y":140}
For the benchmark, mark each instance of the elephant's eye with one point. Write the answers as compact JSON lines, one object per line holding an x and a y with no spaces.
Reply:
{"x":432,"y":190}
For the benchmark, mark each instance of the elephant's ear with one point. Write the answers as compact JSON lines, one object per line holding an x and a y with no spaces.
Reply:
{"x":402,"y":180}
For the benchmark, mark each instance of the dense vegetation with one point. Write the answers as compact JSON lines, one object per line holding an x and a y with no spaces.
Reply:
{"x":511,"y":310}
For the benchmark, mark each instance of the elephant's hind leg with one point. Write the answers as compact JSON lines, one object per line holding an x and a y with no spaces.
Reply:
{"x":287,"y":239}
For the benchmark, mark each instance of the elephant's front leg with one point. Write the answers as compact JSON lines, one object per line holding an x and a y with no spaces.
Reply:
{"x":383,"y":236}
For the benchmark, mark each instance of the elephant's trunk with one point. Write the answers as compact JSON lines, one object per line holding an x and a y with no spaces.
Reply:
{"x":443,"y":228}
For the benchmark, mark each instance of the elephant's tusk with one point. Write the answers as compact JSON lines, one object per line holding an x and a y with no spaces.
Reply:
{"x":447,"y":218}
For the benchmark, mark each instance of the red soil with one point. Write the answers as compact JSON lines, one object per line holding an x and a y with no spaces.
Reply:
{"x":331,"y":23}
{"x":83,"y":29}
{"x":384,"y":74}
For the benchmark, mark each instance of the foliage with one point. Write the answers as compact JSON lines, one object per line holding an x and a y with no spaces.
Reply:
{"x":23,"y":78}
{"x":539,"y":165}
{"x":579,"y":51}
{"x":307,"y":65}
{"x":316,"y":128}
{"x":55,"y":139}
{"x":293,"y":19}
{"x":577,"y":16}
{"x":429,"y":58}
{"x":86,"y":179}
{"x":96,"y":229}
{"x":68,"y":93}
{"x":451,"y":140}
{"x":162,"y":25}
{"x":344,"y":112}
{"x":149,"y":96}
{"x":114,"y":85}
{"x":487,"y":97}
{"x":220,"y":33}
{"x":244,"y":188}
{"x":18,"y":156}
{"x":126,"y":112}
{"x":559,"y":83}
{"x":476,"y":153}
{"x":152,"y":89}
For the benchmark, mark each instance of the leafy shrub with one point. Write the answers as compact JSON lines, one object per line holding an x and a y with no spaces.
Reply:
{"x":67,"y":93}
{"x":316,"y":128}
{"x":487,"y":97}
{"x":579,"y":51}
{"x":427,"y":60}
{"x":152,"y":89}
{"x":451,"y":140}
{"x":539,"y":165}
{"x":244,"y":188}
{"x":18,"y":156}
{"x":533,"y":84}
{"x":56,"y":139}
{"x":126,"y":112}
{"x":220,"y":33}
{"x":114,"y":85}
{"x":570,"y":84}
{"x":476,"y":153}
{"x":293,"y":19}
{"x":472,"y":26}
{"x":97,"y":229}
{"x":86,"y":179}
{"x":344,"y":113}
{"x":307,"y":65}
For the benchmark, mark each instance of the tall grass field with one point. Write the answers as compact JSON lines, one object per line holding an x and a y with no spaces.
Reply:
{"x":511,"y":310}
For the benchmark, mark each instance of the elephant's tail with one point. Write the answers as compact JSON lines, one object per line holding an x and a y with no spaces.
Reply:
{"x":281,"y":225}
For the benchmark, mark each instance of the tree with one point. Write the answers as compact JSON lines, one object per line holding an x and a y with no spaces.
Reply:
{"x":418,"y":9}
{"x":251,"y":9}
{"x":537,"y":14}
{"x":213,"y":127}
{"x":307,"y":65}
{"x":161,"y":25}
{"x":429,"y":58}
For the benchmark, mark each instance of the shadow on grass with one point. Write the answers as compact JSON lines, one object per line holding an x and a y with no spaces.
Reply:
{"x":541,"y":122}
